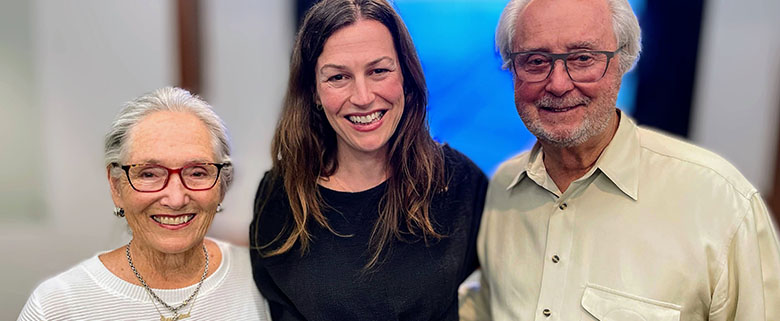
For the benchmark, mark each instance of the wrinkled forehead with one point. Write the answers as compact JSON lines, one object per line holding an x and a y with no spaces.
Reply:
{"x":554,"y":25}
{"x":169,"y":138}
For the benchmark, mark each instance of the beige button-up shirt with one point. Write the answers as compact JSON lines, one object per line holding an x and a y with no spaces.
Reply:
{"x":659,"y":229}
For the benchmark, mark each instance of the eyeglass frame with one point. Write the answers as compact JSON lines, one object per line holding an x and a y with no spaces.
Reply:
{"x":172,"y":171}
{"x":562,"y":56}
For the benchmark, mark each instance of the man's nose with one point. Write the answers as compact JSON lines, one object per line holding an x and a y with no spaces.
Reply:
{"x":559,"y":82}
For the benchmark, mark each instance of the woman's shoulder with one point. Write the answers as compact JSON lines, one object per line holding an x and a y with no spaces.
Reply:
{"x":232,"y":253}
{"x":271,"y":188}
{"x":465,"y":188}
{"x":460,"y":167}
{"x":270,"y":192}
{"x":67,"y":283}
{"x":236,"y":257}
{"x":234,"y":284}
{"x":271,"y":210}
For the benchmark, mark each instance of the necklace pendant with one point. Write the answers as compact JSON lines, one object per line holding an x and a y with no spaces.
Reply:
{"x":176,"y":317}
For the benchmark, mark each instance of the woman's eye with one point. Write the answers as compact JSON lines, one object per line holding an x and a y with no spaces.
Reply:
{"x":380,"y":71}
{"x":148,"y":173}
{"x":197,"y":172}
{"x":338,"y":77}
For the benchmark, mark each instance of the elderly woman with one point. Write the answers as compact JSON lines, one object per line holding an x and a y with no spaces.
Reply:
{"x":168,"y":163}
{"x":362,"y":216}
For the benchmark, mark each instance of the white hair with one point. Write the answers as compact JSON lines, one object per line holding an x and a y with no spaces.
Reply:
{"x":167,"y":99}
{"x":624,"y":24}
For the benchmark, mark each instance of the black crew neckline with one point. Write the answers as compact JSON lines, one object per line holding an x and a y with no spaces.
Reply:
{"x":371,"y":190}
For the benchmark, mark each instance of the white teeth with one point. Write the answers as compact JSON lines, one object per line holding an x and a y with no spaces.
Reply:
{"x":558,"y":109}
{"x":367,"y":119}
{"x":173,"y":220}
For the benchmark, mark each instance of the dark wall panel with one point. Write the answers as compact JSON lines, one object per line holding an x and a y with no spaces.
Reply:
{"x":670,"y":37}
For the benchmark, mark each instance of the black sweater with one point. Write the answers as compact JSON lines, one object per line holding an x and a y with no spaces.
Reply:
{"x":414,"y":282}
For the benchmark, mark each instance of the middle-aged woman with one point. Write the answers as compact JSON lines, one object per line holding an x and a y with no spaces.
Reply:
{"x":362,"y":216}
{"x":167,"y":158}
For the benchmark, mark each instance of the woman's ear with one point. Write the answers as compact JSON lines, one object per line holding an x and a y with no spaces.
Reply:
{"x":113,"y":182}
{"x":316,"y":98}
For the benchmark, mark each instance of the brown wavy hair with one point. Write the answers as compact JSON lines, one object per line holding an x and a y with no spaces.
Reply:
{"x":304,"y":143}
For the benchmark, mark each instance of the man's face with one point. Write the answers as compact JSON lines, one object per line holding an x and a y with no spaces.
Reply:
{"x":557,"y":110}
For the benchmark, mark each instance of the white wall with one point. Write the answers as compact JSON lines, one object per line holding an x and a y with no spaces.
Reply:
{"x":247,"y":54}
{"x":86,"y":58}
{"x":67,"y":66}
{"x":737,"y":100}
{"x":20,"y":130}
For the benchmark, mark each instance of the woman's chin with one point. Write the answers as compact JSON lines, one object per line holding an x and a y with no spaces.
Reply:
{"x":175,"y":245}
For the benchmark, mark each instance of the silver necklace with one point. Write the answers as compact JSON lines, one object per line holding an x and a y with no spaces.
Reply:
{"x":174,"y":310}
{"x":175,"y":317}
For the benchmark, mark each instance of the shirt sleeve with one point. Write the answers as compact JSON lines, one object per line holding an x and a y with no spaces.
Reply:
{"x":480,"y":184}
{"x":474,"y":300}
{"x":32,"y":310}
{"x":769,"y":249}
{"x":749,"y":285}
{"x":278,"y":304}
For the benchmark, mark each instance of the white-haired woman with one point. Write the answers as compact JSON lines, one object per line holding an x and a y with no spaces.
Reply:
{"x":167,"y":158}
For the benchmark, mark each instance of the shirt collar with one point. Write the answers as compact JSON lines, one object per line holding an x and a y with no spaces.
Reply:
{"x":532,"y":166}
{"x":619,"y":162}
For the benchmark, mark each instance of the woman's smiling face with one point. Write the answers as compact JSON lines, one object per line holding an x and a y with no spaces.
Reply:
{"x":174,"y":219}
{"x":360,"y":86}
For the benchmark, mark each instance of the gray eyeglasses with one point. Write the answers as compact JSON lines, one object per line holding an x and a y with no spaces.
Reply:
{"x":582,"y":66}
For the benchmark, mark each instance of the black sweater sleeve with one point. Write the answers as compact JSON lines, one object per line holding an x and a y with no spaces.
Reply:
{"x":470,"y":183}
{"x":269,"y":221}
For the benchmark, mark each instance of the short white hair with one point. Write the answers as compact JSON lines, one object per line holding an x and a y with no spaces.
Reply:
{"x":167,"y":99}
{"x":624,"y":24}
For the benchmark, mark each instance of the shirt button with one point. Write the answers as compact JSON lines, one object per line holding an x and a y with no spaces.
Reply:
{"x":563,"y":206}
{"x":555,"y":259}
{"x":546,"y":312}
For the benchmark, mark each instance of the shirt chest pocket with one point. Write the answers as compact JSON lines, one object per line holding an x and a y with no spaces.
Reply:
{"x":604,"y":304}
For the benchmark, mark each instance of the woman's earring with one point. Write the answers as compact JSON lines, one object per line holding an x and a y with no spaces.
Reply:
{"x":219,"y":207}
{"x":119,"y":212}
{"x":319,"y":107}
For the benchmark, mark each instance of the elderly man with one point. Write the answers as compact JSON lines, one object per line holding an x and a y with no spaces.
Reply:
{"x":602,"y":219}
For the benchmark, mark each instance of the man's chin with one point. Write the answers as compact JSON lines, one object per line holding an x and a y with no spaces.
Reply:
{"x":559,"y":137}
{"x":563,"y":142}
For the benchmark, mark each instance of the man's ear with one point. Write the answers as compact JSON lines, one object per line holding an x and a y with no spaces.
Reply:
{"x":113,"y":182}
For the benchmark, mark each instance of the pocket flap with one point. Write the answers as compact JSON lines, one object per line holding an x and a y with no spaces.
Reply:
{"x":609,"y":305}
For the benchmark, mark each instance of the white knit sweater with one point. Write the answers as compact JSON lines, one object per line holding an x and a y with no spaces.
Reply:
{"x":89,"y":291}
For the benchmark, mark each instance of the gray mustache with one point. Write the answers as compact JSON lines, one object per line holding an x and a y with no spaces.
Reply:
{"x":548,"y":101}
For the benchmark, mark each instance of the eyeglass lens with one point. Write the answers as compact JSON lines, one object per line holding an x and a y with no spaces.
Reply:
{"x":154,"y":177}
{"x":581,"y":66}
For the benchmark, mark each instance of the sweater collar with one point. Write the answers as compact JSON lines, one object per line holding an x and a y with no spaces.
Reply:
{"x":112,"y":283}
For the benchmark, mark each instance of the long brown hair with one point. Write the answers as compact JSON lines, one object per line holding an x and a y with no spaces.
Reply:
{"x":304,"y":143}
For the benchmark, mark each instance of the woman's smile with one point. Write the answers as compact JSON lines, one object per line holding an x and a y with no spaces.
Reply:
{"x":173,"y":222}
